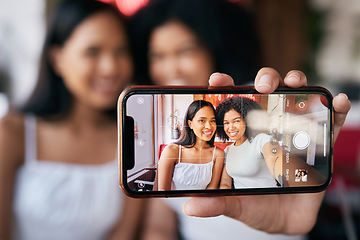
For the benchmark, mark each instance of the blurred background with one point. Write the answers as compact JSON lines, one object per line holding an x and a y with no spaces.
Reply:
{"x":319,"y":37}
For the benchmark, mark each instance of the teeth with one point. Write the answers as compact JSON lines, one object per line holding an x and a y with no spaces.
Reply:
{"x":232,"y":134}
{"x":207,"y":133}
{"x":105,"y":86}
{"x":177,"y":82}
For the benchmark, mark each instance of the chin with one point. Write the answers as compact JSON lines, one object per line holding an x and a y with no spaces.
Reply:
{"x":106,"y":106}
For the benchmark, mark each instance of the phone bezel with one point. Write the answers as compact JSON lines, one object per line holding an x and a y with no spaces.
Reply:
{"x":123,"y":135}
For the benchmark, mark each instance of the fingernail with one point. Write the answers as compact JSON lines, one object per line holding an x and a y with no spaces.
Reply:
{"x":215,"y":73}
{"x":185,"y":209}
{"x":265,"y":82}
{"x":343,"y":95}
{"x":294,"y":76}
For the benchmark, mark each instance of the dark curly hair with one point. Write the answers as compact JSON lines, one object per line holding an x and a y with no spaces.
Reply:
{"x":188,"y":137}
{"x":223,"y":28}
{"x":240,"y":104}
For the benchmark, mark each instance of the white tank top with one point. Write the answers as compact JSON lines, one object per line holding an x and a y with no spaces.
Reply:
{"x":54,"y":200}
{"x":192,"y":176}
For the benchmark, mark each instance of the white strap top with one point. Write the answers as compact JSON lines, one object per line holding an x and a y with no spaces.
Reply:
{"x":192,"y":176}
{"x":54,"y":200}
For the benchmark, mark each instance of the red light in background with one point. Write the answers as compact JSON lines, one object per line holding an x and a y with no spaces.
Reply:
{"x":106,"y":1}
{"x":129,"y":7}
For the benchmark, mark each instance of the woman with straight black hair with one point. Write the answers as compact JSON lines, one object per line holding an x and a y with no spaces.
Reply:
{"x":58,"y":168}
{"x":193,"y":162}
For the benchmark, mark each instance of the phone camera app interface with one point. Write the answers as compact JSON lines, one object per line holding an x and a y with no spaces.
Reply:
{"x":228,"y":141}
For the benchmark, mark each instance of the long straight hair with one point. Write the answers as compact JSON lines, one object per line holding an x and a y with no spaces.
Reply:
{"x":188,"y":137}
{"x":51,"y":97}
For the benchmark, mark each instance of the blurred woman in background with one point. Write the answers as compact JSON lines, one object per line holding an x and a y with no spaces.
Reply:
{"x":183,"y":42}
{"x":58,"y":169}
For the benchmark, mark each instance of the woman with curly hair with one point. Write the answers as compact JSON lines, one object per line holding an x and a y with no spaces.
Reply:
{"x":249,"y":164}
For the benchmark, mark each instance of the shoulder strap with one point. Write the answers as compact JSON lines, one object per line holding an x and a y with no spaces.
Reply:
{"x":30,"y":138}
{"x":179,"y":152}
{"x":213,"y":153}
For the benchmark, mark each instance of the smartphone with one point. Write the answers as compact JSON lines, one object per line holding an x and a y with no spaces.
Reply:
{"x":208,"y":141}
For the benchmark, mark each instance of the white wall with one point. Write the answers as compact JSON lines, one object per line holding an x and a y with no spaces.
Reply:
{"x":22,"y":30}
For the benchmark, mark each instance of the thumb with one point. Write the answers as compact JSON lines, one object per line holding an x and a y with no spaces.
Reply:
{"x":207,"y":206}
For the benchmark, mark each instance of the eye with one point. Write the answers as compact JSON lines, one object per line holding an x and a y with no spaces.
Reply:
{"x":201,"y":120}
{"x":153,"y":56}
{"x":187,"y":51}
{"x":92,"y":52}
{"x":122,"y":51}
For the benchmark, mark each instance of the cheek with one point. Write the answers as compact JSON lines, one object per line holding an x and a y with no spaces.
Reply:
{"x":198,"y":68}
{"x":197,"y":128}
{"x":243,"y":128}
{"x":155,"y":71}
{"x":126,"y":69}
{"x":74,"y":66}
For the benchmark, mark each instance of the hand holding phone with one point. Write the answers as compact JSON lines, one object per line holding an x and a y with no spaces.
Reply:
{"x":282,"y":213}
{"x":274,"y":143}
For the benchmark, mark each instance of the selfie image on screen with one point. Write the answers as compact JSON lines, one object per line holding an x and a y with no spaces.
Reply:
{"x":228,"y":141}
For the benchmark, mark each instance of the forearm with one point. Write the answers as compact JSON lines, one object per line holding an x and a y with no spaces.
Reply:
{"x":226,"y":183}
{"x":160,"y":222}
{"x":6,"y":192}
{"x":130,"y":221}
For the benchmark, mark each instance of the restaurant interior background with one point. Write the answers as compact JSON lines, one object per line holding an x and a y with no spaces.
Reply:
{"x":319,"y":37}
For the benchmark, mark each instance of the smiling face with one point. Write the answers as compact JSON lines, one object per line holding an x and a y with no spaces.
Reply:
{"x":235,"y":126}
{"x":176,"y":56}
{"x":95,"y":62}
{"x":203,"y":124}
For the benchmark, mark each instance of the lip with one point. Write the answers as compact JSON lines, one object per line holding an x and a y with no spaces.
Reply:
{"x":207,"y":133}
{"x":177,"y":82}
{"x":232,"y":133}
{"x":105,"y":87}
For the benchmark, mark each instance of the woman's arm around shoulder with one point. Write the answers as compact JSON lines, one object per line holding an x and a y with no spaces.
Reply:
{"x":166,"y":165}
{"x":11,"y":157}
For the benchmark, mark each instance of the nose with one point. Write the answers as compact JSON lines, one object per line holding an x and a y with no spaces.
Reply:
{"x":208,"y":125}
{"x":108,"y":65}
{"x":231,"y":126}
{"x":171,"y":68}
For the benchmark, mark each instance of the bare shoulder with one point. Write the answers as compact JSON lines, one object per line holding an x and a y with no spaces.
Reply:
{"x":12,"y":125}
{"x":171,"y":151}
{"x":172,"y":147}
{"x":219,"y":152}
{"x":12,"y":137}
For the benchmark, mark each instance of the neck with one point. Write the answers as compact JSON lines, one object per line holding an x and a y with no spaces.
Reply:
{"x":86,"y":116}
{"x":200,"y":144}
{"x":240,"y":141}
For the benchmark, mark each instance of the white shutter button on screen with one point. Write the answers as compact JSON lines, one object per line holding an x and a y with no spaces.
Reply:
{"x":301,"y":140}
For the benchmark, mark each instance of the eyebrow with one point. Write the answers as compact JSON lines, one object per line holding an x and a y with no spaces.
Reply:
{"x":206,"y":117}
{"x":233,"y":118}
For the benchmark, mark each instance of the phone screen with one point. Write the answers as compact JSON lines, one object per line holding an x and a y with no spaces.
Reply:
{"x":225,"y":141}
